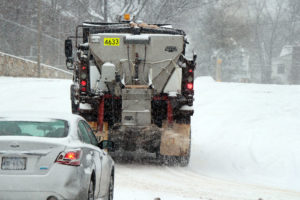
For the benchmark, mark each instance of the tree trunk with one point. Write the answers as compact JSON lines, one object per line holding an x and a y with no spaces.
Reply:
{"x":105,"y":11}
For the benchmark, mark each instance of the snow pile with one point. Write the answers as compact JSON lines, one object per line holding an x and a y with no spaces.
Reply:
{"x":32,"y":94}
{"x":247,"y":133}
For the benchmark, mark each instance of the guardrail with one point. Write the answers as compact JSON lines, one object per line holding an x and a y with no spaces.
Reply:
{"x":14,"y":66}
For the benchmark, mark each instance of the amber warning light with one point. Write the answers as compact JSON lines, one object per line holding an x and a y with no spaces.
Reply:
{"x":126,"y":16}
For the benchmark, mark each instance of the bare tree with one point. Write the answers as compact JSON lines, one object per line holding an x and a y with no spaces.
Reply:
{"x":256,"y":19}
{"x":274,"y":18}
{"x":223,"y":33}
{"x":169,"y":11}
{"x":266,"y":17}
{"x":293,"y":22}
{"x":108,"y":10}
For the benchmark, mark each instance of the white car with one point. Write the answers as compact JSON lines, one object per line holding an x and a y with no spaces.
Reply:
{"x":52,"y":157}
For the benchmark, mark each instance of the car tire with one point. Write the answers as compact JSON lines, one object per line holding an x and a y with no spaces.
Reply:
{"x":111,"y":187}
{"x":91,"y":191}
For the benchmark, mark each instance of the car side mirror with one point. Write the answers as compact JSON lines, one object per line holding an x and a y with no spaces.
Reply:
{"x":107,"y":144}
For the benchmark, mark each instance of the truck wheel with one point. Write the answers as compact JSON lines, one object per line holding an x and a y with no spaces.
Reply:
{"x":74,"y":102}
{"x":166,"y":160}
{"x":183,"y":161}
{"x":74,"y":107}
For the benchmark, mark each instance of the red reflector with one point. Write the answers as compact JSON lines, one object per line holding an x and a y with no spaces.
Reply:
{"x":83,"y":83}
{"x":83,"y":68}
{"x":189,"y":86}
{"x":83,"y":89}
{"x":190,"y":70}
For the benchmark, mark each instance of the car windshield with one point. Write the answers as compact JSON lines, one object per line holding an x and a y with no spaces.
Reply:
{"x":53,"y":128}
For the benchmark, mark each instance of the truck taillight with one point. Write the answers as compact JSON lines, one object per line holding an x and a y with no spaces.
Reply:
{"x":71,"y":157}
{"x":83,"y":77}
{"x":83,"y":83}
{"x":190,"y":86}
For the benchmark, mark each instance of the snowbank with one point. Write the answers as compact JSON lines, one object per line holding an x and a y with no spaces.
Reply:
{"x":247,"y":132}
{"x":34,"y":94}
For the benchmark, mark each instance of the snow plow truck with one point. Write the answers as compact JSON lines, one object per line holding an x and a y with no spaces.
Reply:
{"x":134,"y":85}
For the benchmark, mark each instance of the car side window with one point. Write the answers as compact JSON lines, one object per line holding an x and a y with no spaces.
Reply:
{"x":84,"y":133}
{"x":91,"y":134}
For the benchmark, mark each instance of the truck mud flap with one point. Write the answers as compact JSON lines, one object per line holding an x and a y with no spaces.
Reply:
{"x":175,"y":139}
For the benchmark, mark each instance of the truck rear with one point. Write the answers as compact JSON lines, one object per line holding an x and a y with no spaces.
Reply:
{"x":134,"y":85}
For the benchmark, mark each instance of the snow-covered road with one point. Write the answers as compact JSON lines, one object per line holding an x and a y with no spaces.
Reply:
{"x":245,"y":141}
{"x":174,"y":183}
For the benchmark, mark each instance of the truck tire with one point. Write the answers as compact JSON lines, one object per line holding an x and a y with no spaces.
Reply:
{"x":75,"y":105}
{"x":183,"y":161}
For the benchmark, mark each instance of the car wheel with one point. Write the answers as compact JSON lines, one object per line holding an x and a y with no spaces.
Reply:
{"x":91,"y":191}
{"x":111,"y":188}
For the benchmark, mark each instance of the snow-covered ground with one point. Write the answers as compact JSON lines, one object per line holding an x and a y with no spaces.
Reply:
{"x":247,"y":132}
{"x":245,"y":141}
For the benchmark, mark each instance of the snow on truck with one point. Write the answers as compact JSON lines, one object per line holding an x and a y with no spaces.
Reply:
{"x":134,"y":85}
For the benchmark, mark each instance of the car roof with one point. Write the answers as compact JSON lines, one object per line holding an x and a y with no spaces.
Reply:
{"x":38,"y":116}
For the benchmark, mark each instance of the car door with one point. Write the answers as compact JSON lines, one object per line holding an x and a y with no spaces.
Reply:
{"x":92,"y":154}
{"x":106,"y":164}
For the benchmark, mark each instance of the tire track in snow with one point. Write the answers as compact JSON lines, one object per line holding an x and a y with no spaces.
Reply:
{"x":185,"y":183}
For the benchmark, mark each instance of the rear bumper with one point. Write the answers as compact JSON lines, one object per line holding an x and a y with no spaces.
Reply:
{"x":63,"y":182}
